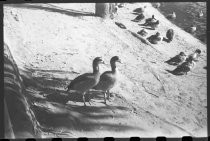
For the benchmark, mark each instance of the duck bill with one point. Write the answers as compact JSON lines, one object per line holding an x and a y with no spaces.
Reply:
{"x":119,"y":61}
{"x":102,"y":62}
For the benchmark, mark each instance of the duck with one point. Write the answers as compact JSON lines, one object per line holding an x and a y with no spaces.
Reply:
{"x":157,"y":5}
{"x":154,"y":25}
{"x":195,"y":55}
{"x":140,"y":10}
{"x":121,"y":5}
{"x":109,"y":78}
{"x":150,"y":20}
{"x":170,"y":35}
{"x":200,"y":14}
{"x":172,"y":16}
{"x":184,"y":68}
{"x":142,"y":32}
{"x":192,"y":29}
{"x":85,"y":82}
{"x":178,"y":59}
{"x":139,"y":18}
{"x":154,"y":39}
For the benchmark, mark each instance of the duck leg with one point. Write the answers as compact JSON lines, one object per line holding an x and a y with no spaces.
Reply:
{"x":83,"y":97}
{"x":108,"y":95}
{"x":105,"y":97}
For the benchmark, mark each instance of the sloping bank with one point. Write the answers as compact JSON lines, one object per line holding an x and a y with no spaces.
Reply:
{"x":19,"y":119}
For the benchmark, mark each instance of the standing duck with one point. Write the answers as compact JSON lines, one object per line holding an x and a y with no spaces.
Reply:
{"x":86,"y":81}
{"x":184,"y":68}
{"x":178,"y":59}
{"x":172,"y":16}
{"x":109,"y":78}
{"x":139,"y":18}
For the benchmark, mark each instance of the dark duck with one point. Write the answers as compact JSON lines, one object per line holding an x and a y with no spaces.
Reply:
{"x":139,"y":18}
{"x":108,"y":79}
{"x":184,"y":68}
{"x":178,"y":59}
{"x":84,"y":82}
{"x":150,"y":20}
{"x":139,"y":10}
{"x":154,"y":39}
{"x":170,"y":35}
{"x":142,"y":32}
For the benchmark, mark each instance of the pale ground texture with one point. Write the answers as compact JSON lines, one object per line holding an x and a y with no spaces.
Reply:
{"x":54,"y":43}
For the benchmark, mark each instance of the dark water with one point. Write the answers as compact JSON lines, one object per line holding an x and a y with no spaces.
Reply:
{"x":186,"y":15}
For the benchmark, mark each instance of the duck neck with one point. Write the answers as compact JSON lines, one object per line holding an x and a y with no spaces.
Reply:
{"x":95,"y":68}
{"x":113,"y":66}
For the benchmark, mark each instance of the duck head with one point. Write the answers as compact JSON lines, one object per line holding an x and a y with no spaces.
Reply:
{"x":182,"y":54}
{"x":157,"y":34}
{"x":96,"y":62}
{"x":198,"y":51}
{"x":113,"y":62}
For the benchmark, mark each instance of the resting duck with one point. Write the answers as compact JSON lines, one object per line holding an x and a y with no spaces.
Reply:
{"x":142,"y":32}
{"x":178,"y":59}
{"x":195,"y":55}
{"x":86,"y":81}
{"x":150,"y":20}
{"x":121,"y":5}
{"x":140,"y":10}
{"x":200,"y":14}
{"x":154,"y":25}
{"x":184,"y":68}
{"x":139,"y":18}
{"x":154,"y":39}
{"x":172,"y":16}
{"x":170,"y":35}
{"x":109,"y":78}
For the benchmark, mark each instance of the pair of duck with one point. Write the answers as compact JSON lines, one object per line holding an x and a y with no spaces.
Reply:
{"x":104,"y":82}
{"x":185,"y":64}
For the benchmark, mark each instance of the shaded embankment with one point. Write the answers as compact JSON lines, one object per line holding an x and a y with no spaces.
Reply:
{"x":20,"y":121}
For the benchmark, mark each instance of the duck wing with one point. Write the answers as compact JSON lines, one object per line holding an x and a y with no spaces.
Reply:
{"x":107,"y":81}
{"x":174,"y":61}
{"x":80,"y":80}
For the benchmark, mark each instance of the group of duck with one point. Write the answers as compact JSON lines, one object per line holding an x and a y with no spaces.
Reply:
{"x":106,"y":81}
{"x":152,"y":24}
{"x":183,"y":62}
{"x":103,"y":82}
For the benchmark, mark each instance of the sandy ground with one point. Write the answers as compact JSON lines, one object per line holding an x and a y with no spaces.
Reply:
{"x":54,"y":43}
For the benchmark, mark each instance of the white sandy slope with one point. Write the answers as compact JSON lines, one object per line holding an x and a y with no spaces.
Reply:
{"x":51,"y":43}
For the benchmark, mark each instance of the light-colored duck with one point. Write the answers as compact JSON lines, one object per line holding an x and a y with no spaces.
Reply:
{"x":200,"y":14}
{"x":195,"y":55}
{"x":86,"y":81}
{"x":109,"y":78}
{"x":192,"y":29}
{"x":172,"y":16}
